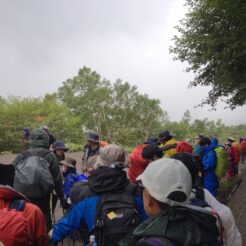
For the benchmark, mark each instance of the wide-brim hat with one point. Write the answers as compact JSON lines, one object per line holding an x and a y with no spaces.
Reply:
{"x":111,"y":154}
{"x":164,"y":135}
{"x":93,"y":137}
{"x":69,"y":162}
{"x":59,"y":145}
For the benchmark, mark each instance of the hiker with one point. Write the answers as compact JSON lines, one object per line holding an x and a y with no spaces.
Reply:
{"x":70,"y":178}
{"x":236,"y":153}
{"x":21,"y":222}
{"x":168,"y":143}
{"x":51,"y":136}
{"x":137,"y":162}
{"x":167,"y":187}
{"x":243,"y":149}
{"x":25,"y":137}
{"x":91,"y":152}
{"x":152,"y":152}
{"x":209,"y":164}
{"x":59,"y":150}
{"x":109,"y":200}
{"x":231,"y":165}
{"x":197,"y":148}
{"x":202,"y":197}
{"x":45,"y":172}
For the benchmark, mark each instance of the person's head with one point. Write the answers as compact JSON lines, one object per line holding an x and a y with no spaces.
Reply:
{"x":46,"y":128}
{"x":67,"y":164}
{"x":93,"y":140}
{"x":39,"y":138}
{"x":59,"y":148}
{"x":152,"y":152}
{"x":152,"y":140}
{"x":231,"y":139}
{"x":198,"y":138}
{"x":204,"y":141}
{"x":165,"y":136}
{"x":190,"y":162}
{"x":165,"y":182}
{"x":111,"y":155}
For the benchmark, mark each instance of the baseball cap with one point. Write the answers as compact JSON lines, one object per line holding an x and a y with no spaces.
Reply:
{"x":165,"y":176}
{"x":111,"y":154}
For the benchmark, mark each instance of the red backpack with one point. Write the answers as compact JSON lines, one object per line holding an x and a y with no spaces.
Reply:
{"x":184,"y":147}
{"x":14,"y":227}
{"x":243,"y":146}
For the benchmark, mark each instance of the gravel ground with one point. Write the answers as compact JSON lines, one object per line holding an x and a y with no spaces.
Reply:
{"x":237,"y":203}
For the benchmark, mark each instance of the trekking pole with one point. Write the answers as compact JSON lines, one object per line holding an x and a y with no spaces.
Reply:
{"x":235,"y":187}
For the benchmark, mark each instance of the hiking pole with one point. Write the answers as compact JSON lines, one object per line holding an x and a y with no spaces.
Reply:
{"x":235,"y":187}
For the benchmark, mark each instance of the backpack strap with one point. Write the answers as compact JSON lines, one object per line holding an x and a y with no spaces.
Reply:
{"x":200,"y":194}
{"x":168,"y":147}
{"x":19,"y":205}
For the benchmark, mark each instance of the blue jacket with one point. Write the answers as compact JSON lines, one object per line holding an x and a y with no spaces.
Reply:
{"x":85,"y":209}
{"x":209,"y":163}
{"x":70,"y":178}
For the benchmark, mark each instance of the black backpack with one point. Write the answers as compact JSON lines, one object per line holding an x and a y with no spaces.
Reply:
{"x":116,"y":216}
{"x":155,"y":241}
{"x":32,"y":175}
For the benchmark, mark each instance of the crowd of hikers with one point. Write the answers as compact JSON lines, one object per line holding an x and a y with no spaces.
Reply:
{"x":162,"y":193}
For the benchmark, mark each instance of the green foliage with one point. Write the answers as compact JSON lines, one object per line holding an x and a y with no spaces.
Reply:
{"x":213,"y":41}
{"x":116,"y":111}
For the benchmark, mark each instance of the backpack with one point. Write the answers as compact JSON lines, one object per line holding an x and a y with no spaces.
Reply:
{"x":184,"y":147}
{"x":14,"y":227}
{"x":243,"y":146}
{"x":199,"y":201}
{"x":32,"y":175}
{"x":116,"y":216}
{"x":222,"y":161}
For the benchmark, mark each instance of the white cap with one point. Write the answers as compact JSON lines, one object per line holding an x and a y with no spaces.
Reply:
{"x":164,"y":176}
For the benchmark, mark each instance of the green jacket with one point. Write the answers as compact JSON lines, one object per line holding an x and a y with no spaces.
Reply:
{"x":39,"y":140}
{"x":174,"y":224}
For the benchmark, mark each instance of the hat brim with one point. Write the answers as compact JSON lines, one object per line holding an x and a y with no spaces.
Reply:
{"x":101,"y":163}
{"x":93,"y":140}
{"x":65,"y":163}
{"x":62,"y":148}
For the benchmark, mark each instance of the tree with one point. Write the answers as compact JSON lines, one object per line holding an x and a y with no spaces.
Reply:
{"x":213,"y":41}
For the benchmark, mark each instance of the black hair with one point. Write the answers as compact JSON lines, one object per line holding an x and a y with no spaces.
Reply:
{"x":150,"y":151}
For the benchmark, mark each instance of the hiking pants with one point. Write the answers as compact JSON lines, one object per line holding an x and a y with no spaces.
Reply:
{"x":44,"y":204}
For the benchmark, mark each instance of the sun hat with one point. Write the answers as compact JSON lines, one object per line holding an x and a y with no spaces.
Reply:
{"x":93,"y":137}
{"x":152,"y":140}
{"x":69,"y":162}
{"x":165,"y":176}
{"x":59,"y":145}
{"x":111,"y":154}
{"x":164,"y":135}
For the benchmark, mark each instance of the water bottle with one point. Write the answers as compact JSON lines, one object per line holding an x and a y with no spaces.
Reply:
{"x":92,"y":241}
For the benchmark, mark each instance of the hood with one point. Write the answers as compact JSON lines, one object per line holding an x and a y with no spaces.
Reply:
{"x":214,"y":143}
{"x":39,"y":139}
{"x":107,"y":179}
{"x":8,"y":193}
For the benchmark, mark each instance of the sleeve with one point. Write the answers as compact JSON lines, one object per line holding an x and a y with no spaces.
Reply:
{"x":56,"y":173}
{"x":68,"y":185}
{"x":140,"y":207}
{"x":18,"y":158}
{"x":232,"y":235}
{"x":209,"y":161}
{"x":82,"y":211}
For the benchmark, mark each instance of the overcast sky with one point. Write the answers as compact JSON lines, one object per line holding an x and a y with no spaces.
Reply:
{"x":43,"y":43}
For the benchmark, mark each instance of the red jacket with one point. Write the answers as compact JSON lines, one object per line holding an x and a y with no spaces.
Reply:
{"x":236,"y":152}
{"x":137,"y":163}
{"x":31,"y":212}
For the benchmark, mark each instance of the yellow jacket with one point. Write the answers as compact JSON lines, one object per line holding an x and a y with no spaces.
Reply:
{"x":170,"y":152}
